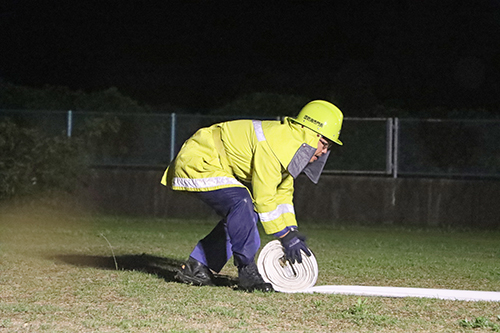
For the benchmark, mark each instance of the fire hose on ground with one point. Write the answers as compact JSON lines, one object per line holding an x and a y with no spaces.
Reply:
{"x":293,"y":278}
{"x":286,"y":277}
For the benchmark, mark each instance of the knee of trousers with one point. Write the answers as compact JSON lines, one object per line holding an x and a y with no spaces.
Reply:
{"x":242,"y":230}
{"x":243,"y":214}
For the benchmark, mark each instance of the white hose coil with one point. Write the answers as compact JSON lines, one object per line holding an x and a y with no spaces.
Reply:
{"x":302,"y":278}
{"x":286,"y":277}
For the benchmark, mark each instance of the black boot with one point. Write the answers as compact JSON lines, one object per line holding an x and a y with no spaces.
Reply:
{"x":251,"y":280}
{"x":195,"y":273}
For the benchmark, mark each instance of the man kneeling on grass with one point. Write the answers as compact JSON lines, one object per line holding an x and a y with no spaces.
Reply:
{"x":216,"y":161}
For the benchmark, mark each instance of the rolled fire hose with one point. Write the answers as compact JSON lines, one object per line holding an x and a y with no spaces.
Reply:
{"x":292,"y":278}
{"x":286,"y":277}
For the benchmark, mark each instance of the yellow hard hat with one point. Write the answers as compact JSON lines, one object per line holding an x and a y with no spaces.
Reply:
{"x":322,"y":117}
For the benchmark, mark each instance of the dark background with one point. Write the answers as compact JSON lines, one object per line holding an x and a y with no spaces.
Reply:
{"x":202,"y":54}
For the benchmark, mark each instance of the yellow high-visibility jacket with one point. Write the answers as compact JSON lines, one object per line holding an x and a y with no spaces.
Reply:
{"x":266,"y":154}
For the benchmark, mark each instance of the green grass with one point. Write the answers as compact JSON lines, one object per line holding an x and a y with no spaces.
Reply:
{"x":57,"y":274}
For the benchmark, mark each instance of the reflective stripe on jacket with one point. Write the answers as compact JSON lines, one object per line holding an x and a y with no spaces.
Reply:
{"x":255,"y":152}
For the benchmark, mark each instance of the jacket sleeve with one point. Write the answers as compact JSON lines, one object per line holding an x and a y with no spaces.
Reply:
{"x":272,"y":189}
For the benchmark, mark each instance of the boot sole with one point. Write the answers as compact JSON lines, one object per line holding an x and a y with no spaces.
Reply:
{"x":192,"y":280}
{"x":264,"y":287}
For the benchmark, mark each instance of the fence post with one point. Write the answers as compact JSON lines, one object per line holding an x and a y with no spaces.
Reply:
{"x":172,"y":136}
{"x":69,"y":123}
{"x":389,"y":146}
{"x":395,"y":148}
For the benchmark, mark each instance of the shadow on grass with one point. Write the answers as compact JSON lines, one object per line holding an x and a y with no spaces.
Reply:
{"x":165,"y":268}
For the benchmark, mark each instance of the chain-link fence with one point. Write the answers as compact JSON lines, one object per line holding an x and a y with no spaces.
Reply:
{"x":465,"y":148}
{"x":382,"y":146}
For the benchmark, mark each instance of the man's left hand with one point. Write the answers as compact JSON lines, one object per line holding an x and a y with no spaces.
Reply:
{"x":293,"y":242}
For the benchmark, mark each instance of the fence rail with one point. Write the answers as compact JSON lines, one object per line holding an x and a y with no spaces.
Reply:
{"x":391,"y":147}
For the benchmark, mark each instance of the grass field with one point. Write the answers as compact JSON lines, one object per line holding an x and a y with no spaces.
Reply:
{"x":58,"y":274}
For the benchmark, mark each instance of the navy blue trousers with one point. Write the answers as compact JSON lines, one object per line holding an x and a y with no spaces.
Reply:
{"x":235,"y":235}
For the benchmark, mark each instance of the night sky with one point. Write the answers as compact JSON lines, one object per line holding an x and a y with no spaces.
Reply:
{"x":201,"y":54}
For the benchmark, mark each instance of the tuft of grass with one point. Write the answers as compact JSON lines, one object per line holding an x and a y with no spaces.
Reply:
{"x":112,"y":252}
{"x":58,"y":275}
{"x":480,"y":322}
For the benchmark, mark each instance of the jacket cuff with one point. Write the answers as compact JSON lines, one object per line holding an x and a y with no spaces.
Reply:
{"x":284,"y":231}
